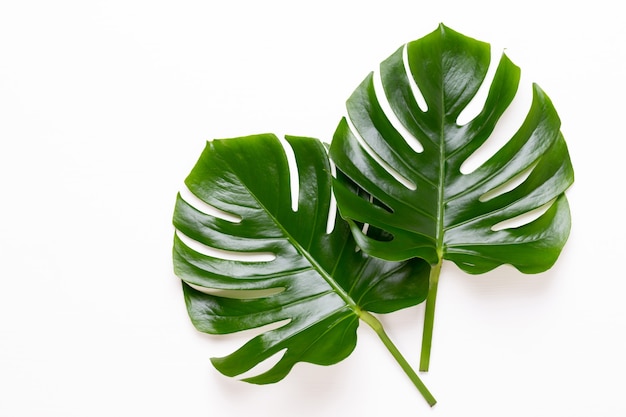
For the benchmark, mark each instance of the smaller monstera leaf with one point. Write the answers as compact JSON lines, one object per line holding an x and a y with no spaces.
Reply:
{"x":422,"y":201}
{"x":313,"y":281}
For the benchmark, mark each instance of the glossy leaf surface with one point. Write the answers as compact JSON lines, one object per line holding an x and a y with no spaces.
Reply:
{"x":315,"y":283}
{"x":422,"y":201}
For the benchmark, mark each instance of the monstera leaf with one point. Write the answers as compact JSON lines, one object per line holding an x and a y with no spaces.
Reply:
{"x":419,"y":198}
{"x":314,"y":283}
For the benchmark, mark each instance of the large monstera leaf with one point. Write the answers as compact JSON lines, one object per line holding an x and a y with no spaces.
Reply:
{"x":420,"y":199}
{"x":313,"y":282}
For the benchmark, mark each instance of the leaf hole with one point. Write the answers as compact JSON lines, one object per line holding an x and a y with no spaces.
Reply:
{"x":374,"y":233}
{"x":395,"y":174}
{"x":332,"y":209}
{"x":415,"y":90}
{"x":509,"y":185}
{"x":510,"y":122}
{"x":294,"y":177}
{"x":477,"y":103}
{"x":378,"y":234}
{"x":360,"y":192}
{"x":411,"y":140}
{"x":223,"y":254}
{"x":523,"y":219}
{"x":238,"y":294}
{"x":380,"y":204}
{"x":204,"y":207}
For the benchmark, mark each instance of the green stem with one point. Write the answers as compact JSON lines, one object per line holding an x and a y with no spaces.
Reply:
{"x":429,"y":316}
{"x":378,"y":328}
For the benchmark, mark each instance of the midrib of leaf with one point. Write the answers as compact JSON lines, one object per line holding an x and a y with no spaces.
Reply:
{"x":442,"y":160}
{"x":435,"y":270}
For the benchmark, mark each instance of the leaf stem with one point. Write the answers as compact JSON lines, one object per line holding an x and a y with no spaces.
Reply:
{"x":375,"y":324}
{"x":429,"y":316}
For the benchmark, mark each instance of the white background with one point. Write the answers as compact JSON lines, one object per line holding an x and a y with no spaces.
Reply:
{"x":104,"y":108}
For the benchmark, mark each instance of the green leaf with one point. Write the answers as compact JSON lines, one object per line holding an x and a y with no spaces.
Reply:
{"x":423,"y":203}
{"x":315,"y":284}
